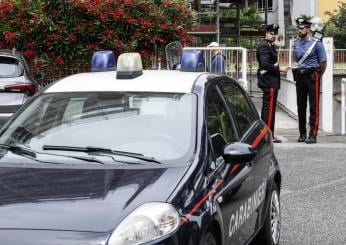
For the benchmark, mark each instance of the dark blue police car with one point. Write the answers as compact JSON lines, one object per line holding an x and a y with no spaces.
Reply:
{"x":139,"y":157}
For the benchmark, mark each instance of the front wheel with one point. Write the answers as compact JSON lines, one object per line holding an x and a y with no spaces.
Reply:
{"x":270,"y":233}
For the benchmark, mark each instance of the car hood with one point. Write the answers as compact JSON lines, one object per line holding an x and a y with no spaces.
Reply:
{"x":79,"y":199}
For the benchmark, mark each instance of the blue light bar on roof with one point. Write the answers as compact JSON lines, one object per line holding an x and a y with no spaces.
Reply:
{"x":192,"y":60}
{"x":103,"y":61}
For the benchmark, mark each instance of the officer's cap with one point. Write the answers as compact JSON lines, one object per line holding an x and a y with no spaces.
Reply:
{"x":273,"y":28}
{"x":301,"y":23}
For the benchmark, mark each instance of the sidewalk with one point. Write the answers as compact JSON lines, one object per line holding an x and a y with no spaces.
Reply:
{"x":286,"y":127}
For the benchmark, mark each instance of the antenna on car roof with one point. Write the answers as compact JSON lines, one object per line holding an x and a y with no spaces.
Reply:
{"x":13,"y":51}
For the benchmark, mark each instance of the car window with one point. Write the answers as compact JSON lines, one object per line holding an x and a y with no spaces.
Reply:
{"x":160,"y":125}
{"x":9,"y":67}
{"x":218,"y":123}
{"x":240,"y":106}
{"x":218,"y":119}
{"x":211,"y":157}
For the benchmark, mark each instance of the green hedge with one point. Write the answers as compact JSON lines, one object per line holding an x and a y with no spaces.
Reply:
{"x":65,"y":31}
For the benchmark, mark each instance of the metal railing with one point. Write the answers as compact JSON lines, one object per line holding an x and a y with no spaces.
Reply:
{"x":339,"y":65}
{"x":235,"y":60}
{"x":343,"y":106}
{"x":286,"y":59}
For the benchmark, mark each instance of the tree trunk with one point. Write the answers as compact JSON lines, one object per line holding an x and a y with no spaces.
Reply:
{"x":287,"y":19}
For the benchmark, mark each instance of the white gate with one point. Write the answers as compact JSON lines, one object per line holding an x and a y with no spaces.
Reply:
{"x":236,"y":61}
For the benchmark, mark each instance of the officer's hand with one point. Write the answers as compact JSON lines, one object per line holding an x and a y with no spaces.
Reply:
{"x":284,"y":69}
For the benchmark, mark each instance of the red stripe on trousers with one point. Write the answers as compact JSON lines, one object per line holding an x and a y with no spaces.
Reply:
{"x":317,"y":104}
{"x":271,"y":102}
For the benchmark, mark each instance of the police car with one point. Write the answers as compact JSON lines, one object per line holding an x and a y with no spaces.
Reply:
{"x":137,"y":156}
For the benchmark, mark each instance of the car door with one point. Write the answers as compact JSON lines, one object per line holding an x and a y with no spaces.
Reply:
{"x":237,"y":178}
{"x":254,"y":132}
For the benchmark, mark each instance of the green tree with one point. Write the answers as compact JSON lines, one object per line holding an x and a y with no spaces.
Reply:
{"x":336,"y":26}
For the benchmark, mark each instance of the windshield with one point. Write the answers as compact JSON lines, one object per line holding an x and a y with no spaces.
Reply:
{"x":159,"y":125}
{"x":9,"y":67}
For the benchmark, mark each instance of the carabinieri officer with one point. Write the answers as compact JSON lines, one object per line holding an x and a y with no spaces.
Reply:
{"x":312,"y":61}
{"x":269,"y":76}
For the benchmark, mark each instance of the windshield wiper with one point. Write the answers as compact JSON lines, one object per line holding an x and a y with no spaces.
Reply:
{"x":23,"y":151}
{"x":87,"y":159}
{"x":90,"y":149}
{"x":18,"y":149}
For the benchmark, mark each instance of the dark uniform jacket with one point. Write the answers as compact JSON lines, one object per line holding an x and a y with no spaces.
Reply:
{"x":268,"y":73}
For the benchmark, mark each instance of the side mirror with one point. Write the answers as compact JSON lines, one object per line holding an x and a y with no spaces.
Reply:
{"x":239,"y":152}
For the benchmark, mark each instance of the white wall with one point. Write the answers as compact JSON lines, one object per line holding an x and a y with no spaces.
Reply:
{"x":299,"y":8}
{"x":303,"y":7}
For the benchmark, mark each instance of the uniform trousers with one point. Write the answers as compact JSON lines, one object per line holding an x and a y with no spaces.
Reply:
{"x":308,"y":86}
{"x":270,"y":96}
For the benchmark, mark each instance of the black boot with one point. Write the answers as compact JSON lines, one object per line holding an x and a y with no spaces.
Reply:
{"x":311,"y":140}
{"x":276,"y":140}
{"x":302,"y":138}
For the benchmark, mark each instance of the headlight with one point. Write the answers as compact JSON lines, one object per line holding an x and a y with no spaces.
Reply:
{"x":146,"y":223}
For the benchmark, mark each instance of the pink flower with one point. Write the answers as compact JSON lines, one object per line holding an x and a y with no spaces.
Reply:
{"x":59,"y":60}
{"x":79,"y":26}
{"x":144,"y":22}
{"x":10,"y":36}
{"x":167,"y":3}
{"x":92,"y":46}
{"x":72,"y":37}
{"x":164,"y":26}
{"x":131,"y":21}
{"x":29,"y":54}
{"x":54,"y":36}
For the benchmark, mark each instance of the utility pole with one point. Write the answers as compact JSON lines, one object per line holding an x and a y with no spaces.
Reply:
{"x":217,"y":10}
{"x":238,"y":23}
{"x":266,"y":12}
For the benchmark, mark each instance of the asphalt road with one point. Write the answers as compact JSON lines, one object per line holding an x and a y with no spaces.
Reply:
{"x":313,"y":195}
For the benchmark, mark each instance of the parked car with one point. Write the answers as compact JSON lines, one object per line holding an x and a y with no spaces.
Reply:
{"x":139,"y":157}
{"x":17,"y":83}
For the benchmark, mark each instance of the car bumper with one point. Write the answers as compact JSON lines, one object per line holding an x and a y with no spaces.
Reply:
{"x":50,"y":237}
{"x":53,"y":237}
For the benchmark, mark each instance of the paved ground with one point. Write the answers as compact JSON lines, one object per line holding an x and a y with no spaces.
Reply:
{"x":313,"y":197}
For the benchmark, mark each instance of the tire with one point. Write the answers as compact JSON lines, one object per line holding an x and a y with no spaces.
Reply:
{"x":209,"y":239}
{"x":270,"y":232}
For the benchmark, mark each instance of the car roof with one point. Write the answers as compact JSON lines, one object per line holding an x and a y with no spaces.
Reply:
{"x":170,"y":81}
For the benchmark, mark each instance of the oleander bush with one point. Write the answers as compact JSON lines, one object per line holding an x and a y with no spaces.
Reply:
{"x":65,"y":31}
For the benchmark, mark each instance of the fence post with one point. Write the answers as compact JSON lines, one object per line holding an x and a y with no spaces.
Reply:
{"x":327,"y":88}
{"x":244,"y":69}
{"x":343,"y":106}
{"x":290,"y":54}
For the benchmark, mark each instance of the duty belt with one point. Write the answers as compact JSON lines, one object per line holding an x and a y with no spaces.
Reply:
{"x":306,"y":70}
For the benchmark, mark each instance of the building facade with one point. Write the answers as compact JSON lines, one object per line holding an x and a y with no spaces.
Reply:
{"x":275,"y":12}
